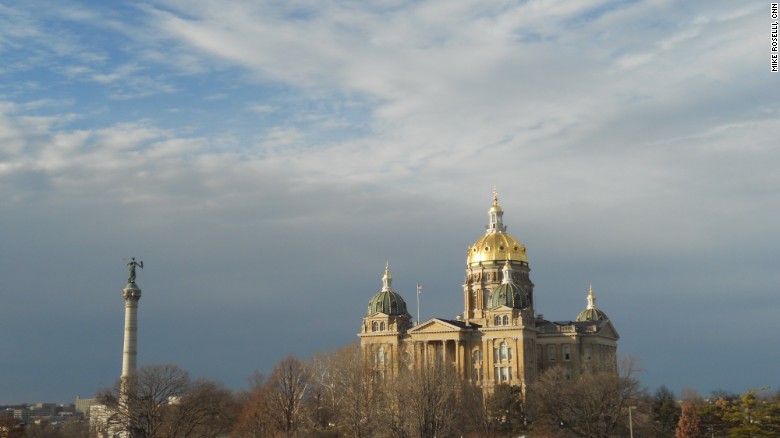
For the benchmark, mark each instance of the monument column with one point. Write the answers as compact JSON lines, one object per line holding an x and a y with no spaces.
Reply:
{"x":132,"y":294}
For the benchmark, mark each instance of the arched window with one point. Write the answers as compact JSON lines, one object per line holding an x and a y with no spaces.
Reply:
{"x":476,"y":366}
{"x":382,"y":326}
{"x":497,"y":320}
{"x":374,"y":326}
{"x":506,"y":320}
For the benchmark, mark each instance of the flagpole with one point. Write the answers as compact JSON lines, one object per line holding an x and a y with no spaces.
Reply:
{"x":419,"y":291}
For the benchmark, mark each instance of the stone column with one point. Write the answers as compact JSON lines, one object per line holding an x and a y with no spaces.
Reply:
{"x":131,"y":293}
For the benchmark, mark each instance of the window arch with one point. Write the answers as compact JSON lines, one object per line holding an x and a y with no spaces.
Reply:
{"x":505,"y":320}
{"x":382,"y":326}
{"x":374,"y":326}
{"x":497,"y":320}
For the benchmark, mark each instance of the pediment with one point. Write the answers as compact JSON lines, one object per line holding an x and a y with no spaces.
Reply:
{"x":501,"y":309}
{"x":435,"y":325}
{"x":608,"y":330}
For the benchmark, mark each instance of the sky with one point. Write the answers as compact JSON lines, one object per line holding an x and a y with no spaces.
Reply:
{"x":265,"y":159}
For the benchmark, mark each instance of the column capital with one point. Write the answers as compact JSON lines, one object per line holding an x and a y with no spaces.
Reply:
{"x":131,"y":294}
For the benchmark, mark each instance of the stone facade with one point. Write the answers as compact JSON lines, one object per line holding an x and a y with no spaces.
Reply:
{"x":499,"y":338}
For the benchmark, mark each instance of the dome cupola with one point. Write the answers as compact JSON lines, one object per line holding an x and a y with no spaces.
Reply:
{"x":591,"y":313}
{"x":508,"y":293}
{"x":496,"y":244}
{"x":387,"y":301}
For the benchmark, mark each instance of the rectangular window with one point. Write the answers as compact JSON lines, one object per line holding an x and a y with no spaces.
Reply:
{"x":566,"y":353}
{"x":551,"y":353}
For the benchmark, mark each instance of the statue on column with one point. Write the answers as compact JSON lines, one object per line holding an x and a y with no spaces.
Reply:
{"x":131,"y":267}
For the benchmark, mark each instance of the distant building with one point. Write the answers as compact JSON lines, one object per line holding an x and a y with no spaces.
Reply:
{"x":83,"y":404}
{"x":499,"y":338}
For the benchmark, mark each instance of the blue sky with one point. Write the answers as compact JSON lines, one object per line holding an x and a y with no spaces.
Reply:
{"x":266,"y":158}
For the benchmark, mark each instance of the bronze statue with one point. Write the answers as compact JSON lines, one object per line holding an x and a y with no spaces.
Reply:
{"x":131,"y":267}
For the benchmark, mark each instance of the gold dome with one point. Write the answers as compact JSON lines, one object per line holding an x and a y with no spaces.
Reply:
{"x":496,"y":247}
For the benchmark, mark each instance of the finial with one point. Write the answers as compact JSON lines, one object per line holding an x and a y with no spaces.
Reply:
{"x":495,"y":195}
{"x":387,"y":279}
{"x":591,"y":297}
{"x":507,"y":271}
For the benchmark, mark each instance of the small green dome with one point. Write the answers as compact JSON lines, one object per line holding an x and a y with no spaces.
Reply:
{"x":388,"y":302}
{"x":510,"y":295}
{"x":594,"y":314}
{"x":591,"y":313}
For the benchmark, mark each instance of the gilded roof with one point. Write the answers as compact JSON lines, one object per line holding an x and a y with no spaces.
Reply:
{"x":496,"y":247}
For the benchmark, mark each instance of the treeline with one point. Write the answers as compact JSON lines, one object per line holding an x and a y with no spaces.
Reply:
{"x":340,"y":394}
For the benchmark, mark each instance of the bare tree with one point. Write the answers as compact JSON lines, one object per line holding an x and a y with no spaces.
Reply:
{"x":207,"y":410}
{"x":350,"y":392}
{"x":288,"y":387}
{"x":254,"y":420}
{"x":593,"y":405}
{"x":140,"y":409}
{"x":423,"y":402}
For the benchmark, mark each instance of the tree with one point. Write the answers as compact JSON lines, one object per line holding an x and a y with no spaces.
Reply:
{"x":288,"y":387}
{"x":206,"y":410}
{"x":750,"y":416}
{"x":140,"y":408}
{"x":351,"y":395}
{"x":665,"y":411}
{"x":10,"y":427}
{"x":422,"y":402}
{"x":590,"y":405}
{"x":505,"y":409}
{"x":254,"y":420}
{"x":689,"y":425}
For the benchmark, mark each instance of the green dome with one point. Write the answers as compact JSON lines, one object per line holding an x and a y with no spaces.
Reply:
{"x":388,"y":302}
{"x":594,"y":314}
{"x":591,"y":313}
{"x":510,"y":295}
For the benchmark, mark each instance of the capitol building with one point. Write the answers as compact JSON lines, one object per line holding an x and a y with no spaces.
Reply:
{"x":500,"y":337}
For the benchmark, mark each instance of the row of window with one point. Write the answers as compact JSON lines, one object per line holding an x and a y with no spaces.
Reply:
{"x":552,"y":353}
{"x":378,"y":326}
{"x":498,"y":320}
{"x":497,"y":276}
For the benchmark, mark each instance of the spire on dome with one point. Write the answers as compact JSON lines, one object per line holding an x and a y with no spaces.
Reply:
{"x":591,"y":313}
{"x":387,"y":279}
{"x":591,"y":297}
